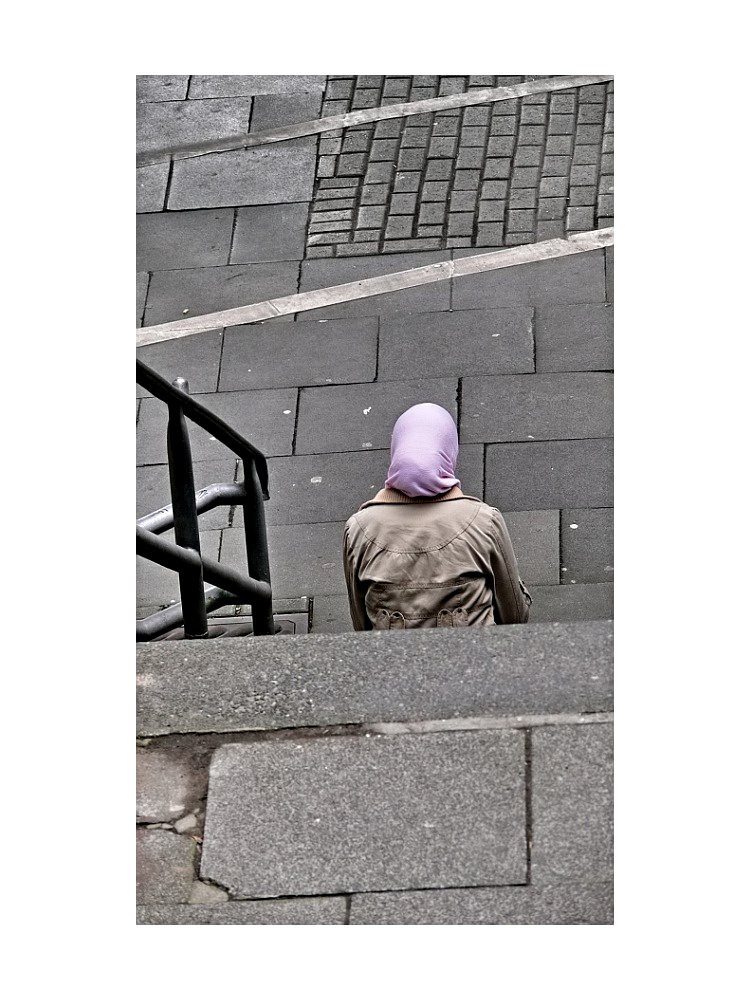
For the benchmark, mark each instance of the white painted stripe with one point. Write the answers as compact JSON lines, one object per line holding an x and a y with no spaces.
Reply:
{"x":489,"y":722}
{"x":470,"y":98}
{"x":305,"y":301}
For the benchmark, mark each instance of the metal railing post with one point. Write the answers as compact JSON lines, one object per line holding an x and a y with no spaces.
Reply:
{"x":256,"y":545}
{"x":186,"y":532}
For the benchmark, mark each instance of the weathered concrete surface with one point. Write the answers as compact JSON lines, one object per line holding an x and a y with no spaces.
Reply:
{"x":158,"y":586}
{"x":539,"y":475}
{"x":270,"y":232}
{"x":161,"y":88}
{"x":183,"y":239}
{"x":587,"y":545}
{"x":164,"y":866}
{"x":169,"y":123}
{"x":571,"y":804}
{"x":574,"y":338}
{"x":315,"y":680}
{"x":194,"y":358}
{"x":151,"y":187}
{"x":227,"y":85}
{"x":323,"y":910}
{"x":578,"y":278}
{"x":572,"y":903}
{"x":169,"y":783}
{"x":581,"y":602}
{"x":352,"y":814}
{"x":535,"y":535}
{"x":152,"y":489}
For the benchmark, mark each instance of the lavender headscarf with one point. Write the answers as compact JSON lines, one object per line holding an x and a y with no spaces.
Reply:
{"x":424,"y":449}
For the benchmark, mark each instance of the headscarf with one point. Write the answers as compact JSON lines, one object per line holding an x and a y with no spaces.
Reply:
{"x":424,"y":450}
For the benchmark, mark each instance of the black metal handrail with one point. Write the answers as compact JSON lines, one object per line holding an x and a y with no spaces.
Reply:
{"x":184,"y":555}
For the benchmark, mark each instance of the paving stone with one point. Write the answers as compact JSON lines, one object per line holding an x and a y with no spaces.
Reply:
{"x":571,"y":804}
{"x":587,"y":550}
{"x":456,"y":343}
{"x":586,"y":155}
{"x":516,"y":239}
{"x":320,"y":680}
{"x":578,"y":278}
{"x":183,"y":239}
{"x":424,"y":298}
{"x":609,"y":256}
{"x":141,"y":287}
{"x":279,"y":110}
{"x":319,"y":572}
{"x":270,"y":232}
{"x":490,"y":234}
{"x":574,"y":338}
{"x":195,"y":358}
{"x":539,"y":475}
{"x":195,"y":291}
{"x":265,"y":175}
{"x":538,"y":407}
{"x":318,"y":488}
{"x":581,"y":218}
{"x":491,"y":211}
{"x":164,"y":865}
{"x":550,"y":230}
{"x":357,"y":417}
{"x":535,"y":535}
{"x":151,"y":187}
{"x":582,"y":602}
{"x":171,"y":123}
{"x":323,"y":910}
{"x":232,"y":86}
{"x":161,"y":88}
{"x":582,"y":195}
{"x":302,"y":353}
{"x":153,"y":492}
{"x":260,"y":417}
{"x":551,"y":208}
{"x":169,"y":783}
{"x":354,"y":814}
{"x":575,"y":903}
{"x":583,"y":174}
{"x":156,"y":586}
{"x":331,"y":615}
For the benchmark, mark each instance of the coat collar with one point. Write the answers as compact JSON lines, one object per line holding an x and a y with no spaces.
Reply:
{"x":395,"y":496}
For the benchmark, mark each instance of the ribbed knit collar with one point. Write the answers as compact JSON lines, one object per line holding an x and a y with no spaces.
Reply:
{"x":394,"y":496}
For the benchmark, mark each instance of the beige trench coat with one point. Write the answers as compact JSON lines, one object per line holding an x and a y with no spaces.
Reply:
{"x":424,"y":563}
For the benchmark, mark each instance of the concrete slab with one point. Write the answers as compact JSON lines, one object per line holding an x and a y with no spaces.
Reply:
{"x":571,"y":804}
{"x":305,"y":558}
{"x":583,"y":602}
{"x":535,"y":535}
{"x":169,"y":783}
{"x":300,"y":354}
{"x":320,"y":680}
{"x":172,"y":123}
{"x":265,"y":175}
{"x":152,"y":489}
{"x":183,"y":239}
{"x":574,"y":338}
{"x":350,"y":814}
{"x":541,"y":475}
{"x":151,"y":187}
{"x":331,"y":615}
{"x":270,"y":232}
{"x":164,"y":866}
{"x":278,"y":110}
{"x":470,"y":342}
{"x":568,"y":405}
{"x":361,"y":417}
{"x":578,"y":903}
{"x":141,"y":286}
{"x":424,"y":298}
{"x":587,"y":549}
{"x":578,"y":278}
{"x":194,"y":291}
{"x":265,"y":418}
{"x":322,"y":910}
{"x":161,"y":88}
{"x":156,"y":586}
{"x":195,"y":358}
{"x":232,"y":86}
{"x":610,"y":273}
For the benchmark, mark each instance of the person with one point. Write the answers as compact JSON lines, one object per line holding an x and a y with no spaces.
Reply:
{"x":421,"y":553}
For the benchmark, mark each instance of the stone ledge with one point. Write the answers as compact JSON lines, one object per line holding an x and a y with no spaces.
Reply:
{"x":239,"y":684}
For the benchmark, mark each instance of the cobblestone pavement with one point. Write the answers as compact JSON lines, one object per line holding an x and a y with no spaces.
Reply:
{"x":494,"y":175}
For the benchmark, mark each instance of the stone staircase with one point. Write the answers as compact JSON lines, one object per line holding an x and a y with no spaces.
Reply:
{"x":377,"y":778}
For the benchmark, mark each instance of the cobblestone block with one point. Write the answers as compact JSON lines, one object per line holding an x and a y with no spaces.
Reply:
{"x":524,"y":177}
{"x":443,"y":146}
{"x":528,"y":156}
{"x":170,"y":123}
{"x":445,"y":126}
{"x":535,"y":535}
{"x":586,"y":134}
{"x":279,"y":110}
{"x":608,"y":144}
{"x":326,"y":167}
{"x":365,"y":235}
{"x":590,"y":114}
{"x":152,"y":491}
{"x":351,"y":164}
{"x":374,"y":194}
{"x":505,"y":126}
{"x":411,"y":159}
{"x":605,"y":205}
{"x":407,"y":181}
{"x":477,"y":115}
{"x":490,"y":234}
{"x":414,"y":137}
{"x":183,"y":239}
{"x":537,"y":407}
{"x":516,"y":239}
{"x":161,"y":88}
{"x":305,"y":910}
{"x":432,"y":231}
{"x":497,"y":169}
{"x":399,"y":227}
{"x":578,"y":278}
{"x":403,"y":204}
{"x":464,"y":792}
{"x":151,"y":187}
{"x":266,"y":175}
{"x":373,"y":216}
{"x":550,"y":230}
{"x":561,"y":104}
{"x":194,"y":358}
{"x":556,"y":166}
{"x":583,"y":175}
{"x":265,"y":418}
{"x":551,"y":208}
{"x":164,"y":866}
{"x":432,"y":214}
{"x":301,"y":353}
{"x":365,"y":99}
{"x":498,"y":341}
{"x":606,"y":184}
{"x":533,"y":114}
{"x":582,"y":196}
{"x":583,"y":155}
{"x":583,"y":602}
{"x":540,"y":475}
{"x":194,"y":291}
{"x":355,"y":142}
{"x":574,"y":338}
{"x":460,"y":223}
{"x":571,"y":804}
{"x":587,"y":546}
{"x":494,"y":190}
{"x":233,"y":86}
{"x":559,"y":145}
{"x":389,"y":129}
{"x":357,"y":249}
{"x":593,"y":94}
{"x":270,"y":232}
{"x":561,"y":124}
{"x":329,"y":147}
{"x":470,"y":159}
{"x":339,"y":182}
{"x":383,"y":149}
{"x":435,"y":191}
{"x":520,"y":221}
{"x":339,"y":89}
{"x":553,"y":187}
{"x":452,"y":85}
{"x":500,"y":146}
{"x":491,"y":211}
{"x":473,"y":136}
{"x":581,"y":218}
{"x":463,"y":201}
